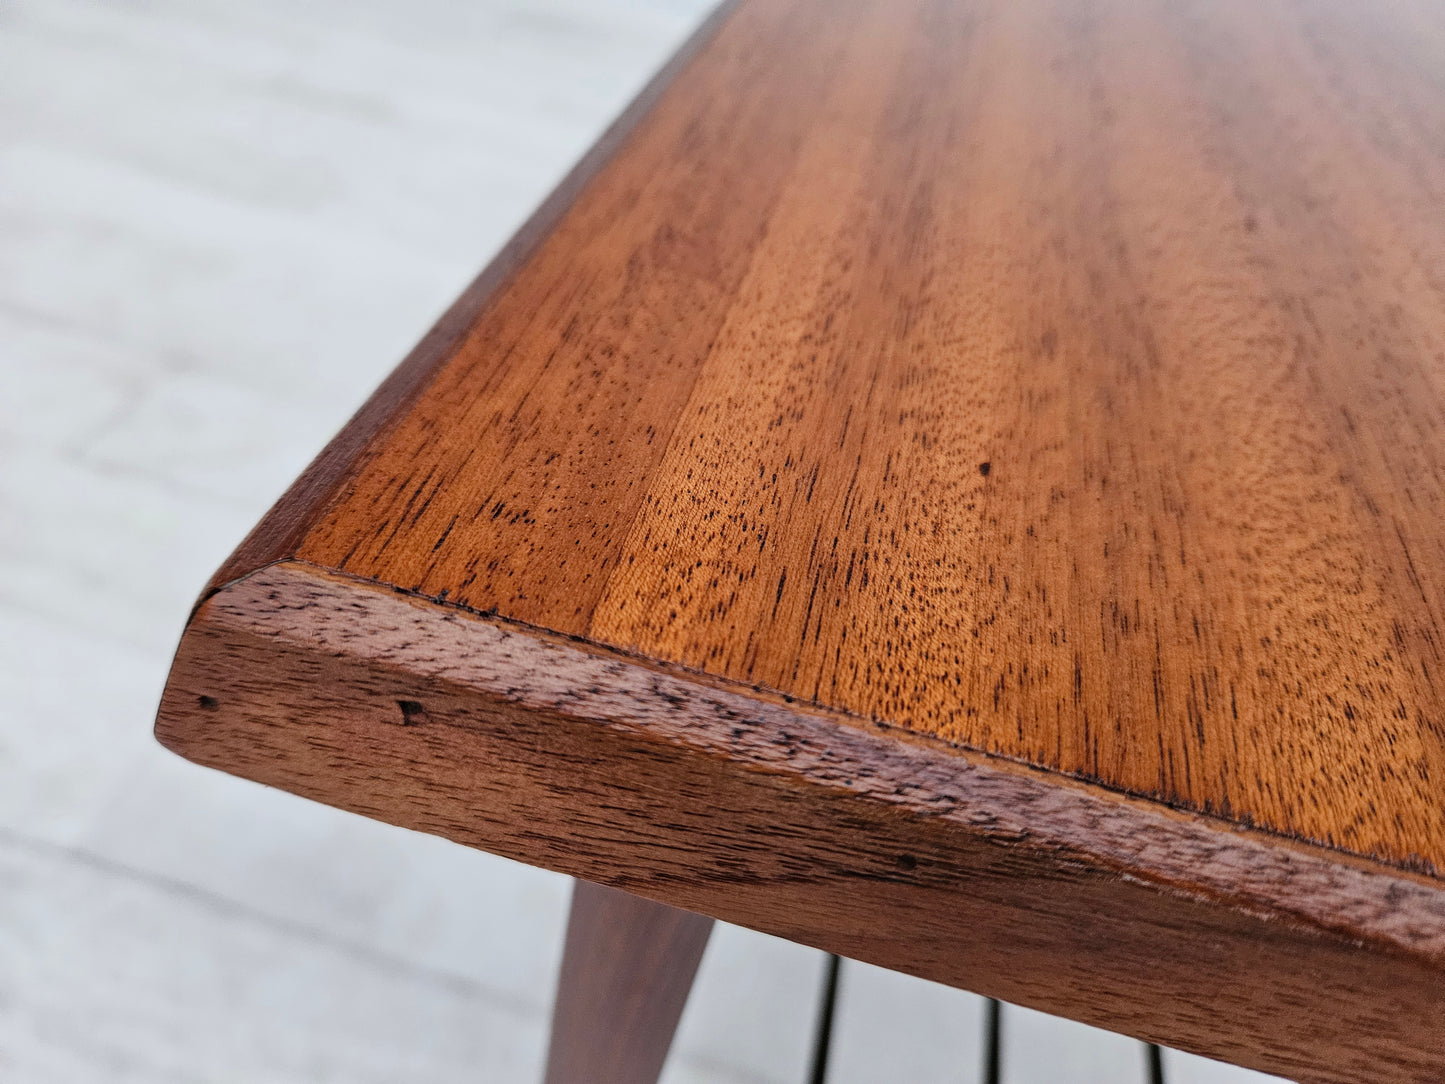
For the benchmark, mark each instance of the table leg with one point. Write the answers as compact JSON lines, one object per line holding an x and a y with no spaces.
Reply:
{"x":626,"y":971}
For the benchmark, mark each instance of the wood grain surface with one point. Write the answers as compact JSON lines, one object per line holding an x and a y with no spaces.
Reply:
{"x":1057,"y":382}
{"x":1063,"y":381}
{"x":954,"y":866}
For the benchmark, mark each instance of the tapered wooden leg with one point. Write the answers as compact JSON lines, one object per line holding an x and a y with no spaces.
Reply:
{"x":626,"y":972}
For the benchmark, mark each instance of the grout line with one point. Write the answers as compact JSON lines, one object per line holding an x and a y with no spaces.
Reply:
{"x":221,"y":905}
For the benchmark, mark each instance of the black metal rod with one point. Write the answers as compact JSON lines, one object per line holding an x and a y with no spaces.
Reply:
{"x":823,"y":1036}
{"x":1154,"y":1059}
{"x":992,"y":1050}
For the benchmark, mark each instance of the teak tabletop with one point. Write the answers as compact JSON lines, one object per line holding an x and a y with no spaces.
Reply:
{"x":958,"y":484}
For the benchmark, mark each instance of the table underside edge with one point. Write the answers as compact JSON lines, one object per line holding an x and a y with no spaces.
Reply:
{"x":957,"y":867}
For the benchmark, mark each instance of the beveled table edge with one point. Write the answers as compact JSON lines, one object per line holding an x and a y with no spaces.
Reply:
{"x":429,"y":716}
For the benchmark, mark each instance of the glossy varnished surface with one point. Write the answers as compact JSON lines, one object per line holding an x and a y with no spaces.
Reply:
{"x":1063,"y":381}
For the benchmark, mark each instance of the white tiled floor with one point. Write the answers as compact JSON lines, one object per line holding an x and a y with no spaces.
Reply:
{"x":220,"y":225}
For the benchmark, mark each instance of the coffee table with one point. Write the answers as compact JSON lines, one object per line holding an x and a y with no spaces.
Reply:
{"x":956,"y":484}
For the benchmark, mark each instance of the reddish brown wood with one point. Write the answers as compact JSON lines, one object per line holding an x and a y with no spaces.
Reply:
{"x":626,"y":972}
{"x":816,"y":827}
{"x":954,"y":482}
{"x":734,"y":412}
